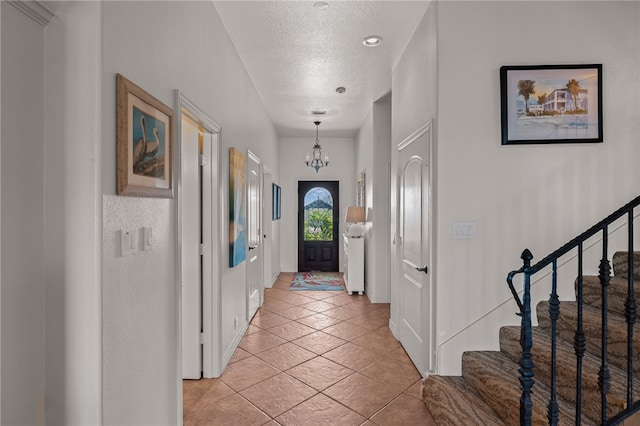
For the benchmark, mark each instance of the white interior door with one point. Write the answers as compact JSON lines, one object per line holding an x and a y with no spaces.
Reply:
{"x":191,"y":231}
{"x":254,"y":233}
{"x":416,"y":309}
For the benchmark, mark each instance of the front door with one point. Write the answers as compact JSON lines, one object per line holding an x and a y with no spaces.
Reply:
{"x":254,"y":234}
{"x":416,"y":299}
{"x":318,"y":226}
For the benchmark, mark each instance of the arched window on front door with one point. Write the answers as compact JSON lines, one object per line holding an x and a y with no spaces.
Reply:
{"x":318,"y":215}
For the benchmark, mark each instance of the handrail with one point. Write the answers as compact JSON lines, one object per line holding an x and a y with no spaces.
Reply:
{"x":546,"y":261}
{"x":526,"y":338}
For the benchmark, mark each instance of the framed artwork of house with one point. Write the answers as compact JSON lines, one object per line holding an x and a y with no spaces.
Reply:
{"x":546,"y":104}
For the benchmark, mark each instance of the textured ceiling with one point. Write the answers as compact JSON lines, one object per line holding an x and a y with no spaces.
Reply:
{"x":297,"y":55}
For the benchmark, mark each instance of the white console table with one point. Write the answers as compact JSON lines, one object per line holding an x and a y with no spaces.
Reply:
{"x":354,"y":264}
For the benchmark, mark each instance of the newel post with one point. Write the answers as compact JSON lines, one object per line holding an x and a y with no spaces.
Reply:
{"x":526,"y":342}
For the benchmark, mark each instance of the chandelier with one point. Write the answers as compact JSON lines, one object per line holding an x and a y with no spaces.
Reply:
{"x":316,"y":161}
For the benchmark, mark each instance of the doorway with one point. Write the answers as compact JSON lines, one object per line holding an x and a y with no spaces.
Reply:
{"x":198,"y":243}
{"x":318,"y":207}
{"x":416,"y":295}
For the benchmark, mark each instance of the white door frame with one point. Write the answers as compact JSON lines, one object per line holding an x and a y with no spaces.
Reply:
{"x":212,"y":317}
{"x":267,"y":225}
{"x":259,"y":253}
{"x":430,"y":320}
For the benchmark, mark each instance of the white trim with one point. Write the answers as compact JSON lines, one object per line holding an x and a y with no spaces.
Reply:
{"x":35,"y":10}
{"x":212,"y":311}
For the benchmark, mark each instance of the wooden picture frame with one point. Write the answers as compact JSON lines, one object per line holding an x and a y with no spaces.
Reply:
{"x":144,"y":143}
{"x":545,"y":104}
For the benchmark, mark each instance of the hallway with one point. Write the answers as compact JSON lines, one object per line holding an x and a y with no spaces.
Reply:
{"x":312,"y":358}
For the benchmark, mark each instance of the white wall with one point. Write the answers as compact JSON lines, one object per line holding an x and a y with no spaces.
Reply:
{"x":373,"y":155}
{"x":531,"y":196}
{"x":163,"y":46}
{"x":73,"y":222}
{"x":292,"y":153}
{"x":414,"y":91}
{"x":23,"y":260}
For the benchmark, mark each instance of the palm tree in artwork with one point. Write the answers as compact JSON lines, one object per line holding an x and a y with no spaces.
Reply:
{"x":542,"y":98}
{"x":526,"y":88}
{"x":573,"y":86}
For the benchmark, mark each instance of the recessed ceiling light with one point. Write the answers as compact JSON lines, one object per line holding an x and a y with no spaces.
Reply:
{"x":321,"y":5}
{"x":341,"y":90}
{"x":372,"y":41}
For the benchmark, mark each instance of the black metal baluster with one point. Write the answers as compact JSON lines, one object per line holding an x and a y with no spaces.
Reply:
{"x":554,"y":313}
{"x":630,"y":313}
{"x":604,"y":376}
{"x":526,"y":342}
{"x":579,"y":341}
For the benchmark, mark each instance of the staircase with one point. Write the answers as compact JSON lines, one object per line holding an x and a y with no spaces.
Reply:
{"x":488,"y":393}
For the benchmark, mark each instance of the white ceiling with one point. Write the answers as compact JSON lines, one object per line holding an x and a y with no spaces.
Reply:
{"x":297,"y":56}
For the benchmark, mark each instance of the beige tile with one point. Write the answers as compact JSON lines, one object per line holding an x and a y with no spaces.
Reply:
{"x":320,"y":410}
{"x":319,"y":306}
{"x":319,"y":373}
{"x":285,"y":356}
{"x":247,"y":372}
{"x":260,"y":341}
{"x":291,"y":330}
{"x":319,"y":321}
{"x":268,"y":319}
{"x":296,"y":312}
{"x":274,"y":305}
{"x":282,"y":284}
{"x":319,"y":342}
{"x":384,"y":330}
{"x":415,"y":391}
{"x":321,"y":295}
{"x":252,"y":329}
{"x":340,"y":299}
{"x":238,"y":355}
{"x":400,"y":355}
{"x":345,"y":331}
{"x":396,"y":374}
{"x":353,"y":356}
{"x":362,"y":394}
{"x":200,"y":393}
{"x":404,"y":411}
{"x":341,"y":312}
{"x":278,"y":394}
{"x":368,"y":322}
{"x":377,"y":342}
{"x":233,"y":407}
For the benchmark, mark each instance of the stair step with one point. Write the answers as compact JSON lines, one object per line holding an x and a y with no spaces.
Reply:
{"x":566,"y":371}
{"x":495,"y":376}
{"x":452,"y":401}
{"x":620,"y":263}
{"x":617,"y":332}
{"x":617,"y":293}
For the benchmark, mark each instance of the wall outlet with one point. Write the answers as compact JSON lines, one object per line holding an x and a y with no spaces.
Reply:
{"x":128,"y":242}
{"x":464,"y":230}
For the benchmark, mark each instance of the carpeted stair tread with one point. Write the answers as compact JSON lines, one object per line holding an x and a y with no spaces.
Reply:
{"x":495,"y":376}
{"x":592,"y":318}
{"x":566,"y":371}
{"x":452,"y":401}
{"x":617,"y":292}
{"x":620,"y":262}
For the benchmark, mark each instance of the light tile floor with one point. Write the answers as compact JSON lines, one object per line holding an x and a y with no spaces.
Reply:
{"x":312,"y":358}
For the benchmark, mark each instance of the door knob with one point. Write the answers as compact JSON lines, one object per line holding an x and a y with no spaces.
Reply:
{"x":425,"y":269}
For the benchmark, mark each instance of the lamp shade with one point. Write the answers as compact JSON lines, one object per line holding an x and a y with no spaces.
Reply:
{"x":355,"y":215}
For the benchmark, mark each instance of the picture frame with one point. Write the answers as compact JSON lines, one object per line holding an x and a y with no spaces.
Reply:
{"x":276,"y":202}
{"x":237,"y":207}
{"x":361,"y":189}
{"x":144,"y":145}
{"x":548,"y":104}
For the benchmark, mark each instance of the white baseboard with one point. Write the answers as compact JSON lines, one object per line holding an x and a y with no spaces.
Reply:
{"x":228,"y":353}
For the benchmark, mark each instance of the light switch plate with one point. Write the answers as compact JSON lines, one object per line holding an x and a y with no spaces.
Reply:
{"x":147,"y":238}
{"x":464,"y":230}
{"x":128,"y":242}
